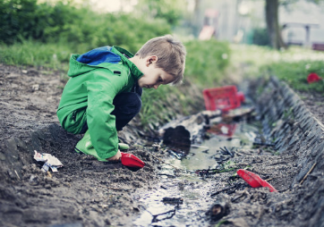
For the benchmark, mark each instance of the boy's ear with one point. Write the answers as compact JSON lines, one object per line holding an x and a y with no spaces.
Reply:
{"x":151,"y":59}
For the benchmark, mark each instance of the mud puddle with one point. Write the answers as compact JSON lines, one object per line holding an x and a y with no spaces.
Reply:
{"x":184,"y":193}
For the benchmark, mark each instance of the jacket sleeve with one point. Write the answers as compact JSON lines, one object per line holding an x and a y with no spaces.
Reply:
{"x":102,"y":90}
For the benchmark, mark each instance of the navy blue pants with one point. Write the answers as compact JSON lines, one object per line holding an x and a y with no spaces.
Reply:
{"x":127,"y":106}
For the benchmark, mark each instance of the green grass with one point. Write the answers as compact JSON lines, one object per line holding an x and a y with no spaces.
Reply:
{"x":292,"y":65}
{"x":295,"y":74}
{"x":165,"y":104}
{"x":36,"y":54}
{"x":207,"y":61}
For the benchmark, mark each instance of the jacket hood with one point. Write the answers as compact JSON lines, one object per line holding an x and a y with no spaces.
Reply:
{"x":80,"y":64}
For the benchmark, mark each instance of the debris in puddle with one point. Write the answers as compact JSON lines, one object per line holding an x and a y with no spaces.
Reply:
{"x":220,"y":208}
{"x":172,"y":200}
{"x":254,"y":180}
{"x":178,"y":137}
{"x":176,"y":155}
{"x":195,"y":125}
{"x":171,"y":213}
{"x":168,"y":175}
{"x":228,"y":151}
{"x":238,"y":113}
{"x":212,"y":113}
{"x":239,"y":197}
{"x":235,"y":186}
{"x":218,"y":211}
{"x":163,"y":187}
{"x":251,"y":136}
{"x":207,"y":172}
{"x":50,"y":161}
{"x":199,"y":146}
{"x":165,"y":162}
{"x":205,"y":151}
{"x":220,"y":159}
{"x":222,"y":129}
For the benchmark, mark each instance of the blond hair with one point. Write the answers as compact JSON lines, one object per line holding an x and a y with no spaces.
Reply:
{"x":171,"y":55}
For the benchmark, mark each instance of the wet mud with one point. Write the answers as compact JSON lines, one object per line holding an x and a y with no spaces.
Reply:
{"x":167,"y":191}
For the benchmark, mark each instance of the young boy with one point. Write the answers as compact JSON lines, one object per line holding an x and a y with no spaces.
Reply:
{"x":104,"y":90}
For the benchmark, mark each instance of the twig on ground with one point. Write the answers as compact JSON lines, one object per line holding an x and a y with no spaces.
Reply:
{"x":228,"y":188}
{"x":168,"y":212}
{"x":166,"y":163}
{"x":311,"y":169}
{"x":156,"y":215}
{"x":168,"y":175}
{"x":222,"y":190}
{"x":17,"y":174}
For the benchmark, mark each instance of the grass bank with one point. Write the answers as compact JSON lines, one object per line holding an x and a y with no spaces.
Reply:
{"x":292,"y":65}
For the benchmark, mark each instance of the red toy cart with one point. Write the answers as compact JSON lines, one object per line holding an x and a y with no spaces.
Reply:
{"x":223,"y":98}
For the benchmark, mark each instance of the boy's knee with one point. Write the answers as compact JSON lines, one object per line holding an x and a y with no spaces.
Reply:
{"x":133,"y":104}
{"x":137,"y":103}
{"x":74,"y":122}
{"x":127,"y":104}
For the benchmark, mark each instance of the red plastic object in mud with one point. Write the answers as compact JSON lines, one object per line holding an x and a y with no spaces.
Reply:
{"x":131,"y":161}
{"x":312,"y":78}
{"x":222,"y":129}
{"x":254,"y":180}
{"x":223,"y":98}
{"x":241,"y":96}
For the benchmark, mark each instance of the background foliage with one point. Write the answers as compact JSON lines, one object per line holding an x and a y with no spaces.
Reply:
{"x":79,"y":27}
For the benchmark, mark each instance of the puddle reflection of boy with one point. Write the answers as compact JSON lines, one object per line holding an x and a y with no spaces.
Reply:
{"x":104,"y":90}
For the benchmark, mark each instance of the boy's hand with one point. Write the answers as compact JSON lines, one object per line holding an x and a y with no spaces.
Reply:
{"x":116,"y":157}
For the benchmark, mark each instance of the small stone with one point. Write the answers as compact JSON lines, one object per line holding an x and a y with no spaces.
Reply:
{"x":136,"y":184}
{"x":35,"y":87}
{"x":47,"y":186}
{"x":12,"y":175}
{"x":2,"y":157}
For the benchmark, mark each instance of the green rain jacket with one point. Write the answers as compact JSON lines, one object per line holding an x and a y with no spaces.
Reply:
{"x":96,"y":78}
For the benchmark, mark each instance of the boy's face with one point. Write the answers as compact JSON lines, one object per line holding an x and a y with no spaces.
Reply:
{"x":152,"y":77}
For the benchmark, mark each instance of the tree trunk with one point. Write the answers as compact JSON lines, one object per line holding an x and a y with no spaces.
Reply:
{"x":197,"y":25}
{"x":272,"y":20}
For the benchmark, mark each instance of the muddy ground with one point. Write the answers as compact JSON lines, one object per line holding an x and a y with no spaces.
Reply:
{"x":86,"y":192}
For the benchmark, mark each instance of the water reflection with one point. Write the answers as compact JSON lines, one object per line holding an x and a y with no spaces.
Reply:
{"x":191,"y":187}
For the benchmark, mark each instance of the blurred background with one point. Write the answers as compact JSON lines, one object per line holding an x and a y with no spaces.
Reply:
{"x":226,"y":40}
{"x":260,"y":22}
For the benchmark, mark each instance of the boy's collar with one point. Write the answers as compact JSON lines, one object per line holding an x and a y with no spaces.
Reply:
{"x":122,"y":52}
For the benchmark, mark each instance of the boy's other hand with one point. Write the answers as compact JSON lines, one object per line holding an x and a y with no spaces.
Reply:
{"x":116,"y":157}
